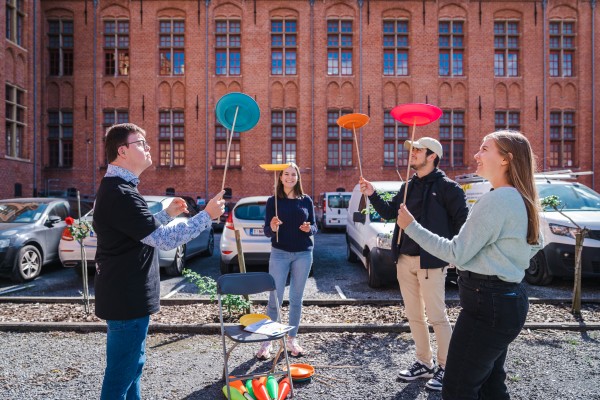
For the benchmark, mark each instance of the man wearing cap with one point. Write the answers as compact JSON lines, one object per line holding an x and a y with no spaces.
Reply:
{"x":439,"y":204}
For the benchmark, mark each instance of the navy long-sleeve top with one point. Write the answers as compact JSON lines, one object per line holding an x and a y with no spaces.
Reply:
{"x":292,"y":213}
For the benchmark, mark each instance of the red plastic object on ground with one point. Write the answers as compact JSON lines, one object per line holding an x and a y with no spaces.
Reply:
{"x":418,"y":114}
{"x":284,"y":389}
{"x":260,"y":391}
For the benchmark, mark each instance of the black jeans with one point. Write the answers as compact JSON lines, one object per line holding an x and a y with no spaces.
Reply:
{"x":493,"y":313}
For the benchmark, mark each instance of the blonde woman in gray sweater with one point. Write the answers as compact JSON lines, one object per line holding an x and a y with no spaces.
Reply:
{"x":491,"y":252}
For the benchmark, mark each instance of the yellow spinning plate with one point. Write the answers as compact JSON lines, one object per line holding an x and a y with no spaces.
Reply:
{"x":274,"y":167}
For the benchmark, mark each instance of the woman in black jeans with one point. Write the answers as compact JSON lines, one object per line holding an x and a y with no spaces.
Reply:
{"x":491,"y":252}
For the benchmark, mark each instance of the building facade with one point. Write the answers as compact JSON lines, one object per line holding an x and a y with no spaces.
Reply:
{"x":70,"y":69}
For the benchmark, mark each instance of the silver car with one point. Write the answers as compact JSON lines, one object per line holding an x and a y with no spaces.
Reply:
{"x":248,"y":217}
{"x":173,"y":261}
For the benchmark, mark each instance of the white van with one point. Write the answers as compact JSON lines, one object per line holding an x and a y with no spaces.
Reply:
{"x":331,"y":210}
{"x":557,"y":258}
{"x":369,"y":237}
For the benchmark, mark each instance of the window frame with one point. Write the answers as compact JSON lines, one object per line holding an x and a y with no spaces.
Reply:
{"x":450,"y":142}
{"x":396,"y":50}
{"x":563,"y":141}
{"x":172,"y":144}
{"x":61,"y":56}
{"x":225,"y":45}
{"x":120,"y":62}
{"x":287,"y":125}
{"x":394,"y":135}
{"x":15,"y":126}
{"x":451,"y":49}
{"x":503,"y":51}
{"x":340,"y":48}
{"x":343,"y":139}
{"x":15,"y":21}
{"x":286,"y":49}
{"x":168,"y":52}
{"x":64,"y":144}
{"x":561,"y":52}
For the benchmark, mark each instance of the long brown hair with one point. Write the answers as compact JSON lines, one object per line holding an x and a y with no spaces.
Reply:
{"x":521,"y":166}
{"x":298,"y":192}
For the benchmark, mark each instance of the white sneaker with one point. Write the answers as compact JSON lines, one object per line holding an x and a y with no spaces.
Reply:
{"x":294,"y":347}
{"x":264,"y":352}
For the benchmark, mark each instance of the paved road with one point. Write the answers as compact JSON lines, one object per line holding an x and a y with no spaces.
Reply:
{"x":333,"y":278}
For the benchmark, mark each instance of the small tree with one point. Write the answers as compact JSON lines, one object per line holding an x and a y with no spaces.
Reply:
{"x":80,"y":230}
{"x":208,"y":286}
{"x":555,"y":203}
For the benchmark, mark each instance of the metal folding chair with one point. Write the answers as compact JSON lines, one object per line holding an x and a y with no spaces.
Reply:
{"x":246,"y":284}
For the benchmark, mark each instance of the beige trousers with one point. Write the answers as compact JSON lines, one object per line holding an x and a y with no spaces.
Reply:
{"x":424,"y":290}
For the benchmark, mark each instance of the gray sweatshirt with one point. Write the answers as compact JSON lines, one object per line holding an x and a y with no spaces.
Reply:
{"x":493,"y":240}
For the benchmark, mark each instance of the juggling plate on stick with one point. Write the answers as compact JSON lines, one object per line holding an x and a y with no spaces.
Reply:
{"x":248,"y":112}
{"x":274,"y":167}
{"x":418,"y":114}
{"x":350,"y":121}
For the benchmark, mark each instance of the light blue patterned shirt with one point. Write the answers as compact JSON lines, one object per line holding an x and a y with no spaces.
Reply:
{"x":166,"y":237}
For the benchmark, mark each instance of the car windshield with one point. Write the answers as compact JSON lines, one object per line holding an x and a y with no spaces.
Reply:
{"x":251,"y":211}
{"x":573,"y":196}
{"x":16,"y":212}
{"x":338,"y":200}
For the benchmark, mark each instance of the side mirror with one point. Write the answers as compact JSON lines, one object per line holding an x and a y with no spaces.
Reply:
{"x":52,"y":220}
{"x":359,"y":217}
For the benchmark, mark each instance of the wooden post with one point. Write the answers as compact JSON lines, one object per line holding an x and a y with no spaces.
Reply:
{"x":241,"y":261}
{"x":579,"y":236}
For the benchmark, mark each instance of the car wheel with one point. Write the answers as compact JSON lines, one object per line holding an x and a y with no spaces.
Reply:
{"x":374,"y":281}
{"x":211,"y":245}
{"x":225,"y":268}
{"x":538,"y":273}
{"x":28,"y":264}
{"x":350,"y":256}
{"x":178,"y":263}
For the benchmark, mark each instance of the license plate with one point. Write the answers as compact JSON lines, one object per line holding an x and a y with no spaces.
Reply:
{"x":257,"y":232}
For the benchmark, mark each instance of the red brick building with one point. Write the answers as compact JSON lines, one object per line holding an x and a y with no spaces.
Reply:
{"x":71,"y":68}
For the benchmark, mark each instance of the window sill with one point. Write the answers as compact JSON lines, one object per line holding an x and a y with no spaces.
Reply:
{"x":169,"y":167}
{"x":18,"y":159}
{"x":337,"y":167}
{"x":229,"y":167}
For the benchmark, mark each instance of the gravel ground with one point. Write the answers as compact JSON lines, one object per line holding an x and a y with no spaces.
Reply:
{"x":207,"y":313}
{"x":63,"y":366}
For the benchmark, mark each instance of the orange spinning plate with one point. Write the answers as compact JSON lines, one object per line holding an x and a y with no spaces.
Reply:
{"x":301,"y":370}
{"x":274,"y":167}
{"x":353,"y":121}
{"x":418,"y":114}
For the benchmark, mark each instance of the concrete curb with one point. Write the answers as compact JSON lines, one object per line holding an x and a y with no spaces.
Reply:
{"x":213,"y":328}
{"x":306,"y":302}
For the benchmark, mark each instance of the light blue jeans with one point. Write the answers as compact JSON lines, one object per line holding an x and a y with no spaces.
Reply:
{"x":297,"y":264}
{"x":125,"y":358}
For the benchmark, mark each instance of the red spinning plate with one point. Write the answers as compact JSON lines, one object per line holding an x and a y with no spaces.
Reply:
{"x":350,"y":121}
{"x":418,"y":114}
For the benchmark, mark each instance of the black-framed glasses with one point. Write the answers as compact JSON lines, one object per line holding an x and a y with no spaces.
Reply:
{"x":143,"y":142}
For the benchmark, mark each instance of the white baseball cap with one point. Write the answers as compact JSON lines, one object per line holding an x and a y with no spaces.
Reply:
{"x":426,"y":143}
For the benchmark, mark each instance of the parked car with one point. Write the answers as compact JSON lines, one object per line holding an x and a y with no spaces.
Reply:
{"x":247,"y":216}
{"x":331,"y":210}
{"x":173,"y":261}
{"x":219,"y":223}
{"x":369,"y":237}
{"x":30,"y":230}
{"x":557,"y":258}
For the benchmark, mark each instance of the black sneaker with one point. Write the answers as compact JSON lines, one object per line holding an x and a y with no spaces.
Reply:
{"x":435,"y":383}
{"x":416,"y":371}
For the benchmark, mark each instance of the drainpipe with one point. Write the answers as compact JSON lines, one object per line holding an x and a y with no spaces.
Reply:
{"x":593,"y":5}
{"x":312,"y":97}
{"x":206,"y":4}
{"x":544,"y":74}
{"x":95,"y":100}
{"x":35,"y":158}
{"x":360,"y":70}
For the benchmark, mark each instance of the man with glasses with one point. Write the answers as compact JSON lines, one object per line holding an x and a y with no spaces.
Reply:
{"x":439,"y":204}
{"x":127,"y":283}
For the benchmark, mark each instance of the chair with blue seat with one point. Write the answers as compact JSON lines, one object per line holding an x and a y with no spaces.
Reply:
{"x":247,"y":284}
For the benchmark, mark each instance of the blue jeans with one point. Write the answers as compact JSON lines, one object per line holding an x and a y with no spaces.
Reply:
{"x":493,"y":313}
{"x":297,"y":264}
{"x":125,"y":357}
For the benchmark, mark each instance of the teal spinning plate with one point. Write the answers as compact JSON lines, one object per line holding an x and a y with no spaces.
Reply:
{"x":247,"y":109}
